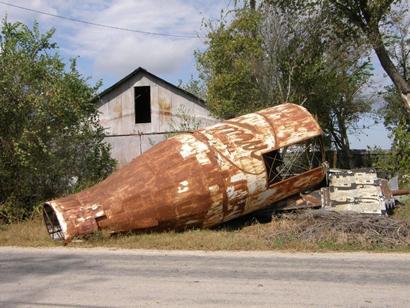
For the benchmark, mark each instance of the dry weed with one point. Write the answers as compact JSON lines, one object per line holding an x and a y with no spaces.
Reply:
{"x":307,"y":231}
{"x":321,"y":226}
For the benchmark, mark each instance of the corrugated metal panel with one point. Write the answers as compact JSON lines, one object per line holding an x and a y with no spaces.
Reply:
{"x":359,"y":191}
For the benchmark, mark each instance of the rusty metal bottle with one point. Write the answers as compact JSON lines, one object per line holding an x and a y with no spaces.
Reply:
{"x":193,"y":180}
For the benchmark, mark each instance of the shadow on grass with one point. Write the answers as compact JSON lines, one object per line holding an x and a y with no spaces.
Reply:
{"x":237,"y":224}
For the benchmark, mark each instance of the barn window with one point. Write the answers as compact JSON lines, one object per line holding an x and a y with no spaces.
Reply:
{"x":142,"y":104}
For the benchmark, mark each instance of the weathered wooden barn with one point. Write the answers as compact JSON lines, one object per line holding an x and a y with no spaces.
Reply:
{"x":142,"y":109}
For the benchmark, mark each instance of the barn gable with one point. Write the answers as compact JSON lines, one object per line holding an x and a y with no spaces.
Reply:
{"x":141,"y":109}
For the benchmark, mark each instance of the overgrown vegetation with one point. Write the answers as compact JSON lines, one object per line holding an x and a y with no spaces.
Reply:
{"x":260,"y":57}
{"x":315,"y":53}
{"x":356,"y":230}
{"x":195,"y":87}
{"x":50,"y":139}
{"x":228,"y":66}
{"x":184,"y":121}
{"x":312,"y":230}
{"x":367,"y":21}
{"x":393,"y":113}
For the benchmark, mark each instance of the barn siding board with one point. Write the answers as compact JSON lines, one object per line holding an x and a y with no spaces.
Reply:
{"x":117,"y":115}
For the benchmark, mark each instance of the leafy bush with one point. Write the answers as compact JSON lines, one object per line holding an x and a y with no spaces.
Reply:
{"x":397,"y":121}
{"x":50,"y":139}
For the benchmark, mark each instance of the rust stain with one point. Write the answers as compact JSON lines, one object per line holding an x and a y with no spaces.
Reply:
{"x":164,"y":109}
{"x":117,"y":109}
{"x":400,"y":192}
{"x":193,"y":180}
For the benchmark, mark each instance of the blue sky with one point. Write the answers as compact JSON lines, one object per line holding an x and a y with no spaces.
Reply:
{"x":110,"y":54}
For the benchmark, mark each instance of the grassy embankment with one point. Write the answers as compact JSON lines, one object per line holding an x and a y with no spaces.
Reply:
{"x":307,"y":231}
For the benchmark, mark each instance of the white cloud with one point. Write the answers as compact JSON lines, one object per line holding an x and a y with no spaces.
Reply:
{"x":160,"y":56}
{"x":16,"y":14}
{"x":116,"y":53}
{"x":120,"y":52}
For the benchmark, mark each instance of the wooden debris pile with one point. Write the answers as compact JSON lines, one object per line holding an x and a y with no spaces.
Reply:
{"x":341,"y":227}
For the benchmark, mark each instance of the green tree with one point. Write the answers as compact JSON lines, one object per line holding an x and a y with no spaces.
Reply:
{"x":361,"y":19}
{"x":194,"y":86}
{"x":305,"y":63}
{"x":397,"y":37}
{"x":50,"y":139}
{"x":292,"y":63}
{"x":381,"y":25}
{"x":393,"y":112}
{"x":228,"y":66}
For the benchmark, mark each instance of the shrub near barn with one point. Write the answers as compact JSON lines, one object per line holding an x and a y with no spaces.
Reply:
{"x":50,"y":139}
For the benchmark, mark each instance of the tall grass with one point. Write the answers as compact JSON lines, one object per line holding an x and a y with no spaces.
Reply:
{"x":279,"y":234}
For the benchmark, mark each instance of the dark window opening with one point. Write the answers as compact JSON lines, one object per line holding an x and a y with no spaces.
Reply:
{"x":293,"y":160}
{"x":52,"y":224}
{"x":142,"y":104}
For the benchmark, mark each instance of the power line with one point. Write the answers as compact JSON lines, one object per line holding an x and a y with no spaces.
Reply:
{"x":187,"y":36}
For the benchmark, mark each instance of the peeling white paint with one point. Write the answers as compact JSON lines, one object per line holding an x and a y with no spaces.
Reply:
{"x":191,"y":146}
{"x":186,"y":150}
{"x":99,"y":213}
{"x":235,"y":194}
{"x":238,"y":177}
{"x":256,"y":183}
{"x":200,"y":147}
{"x":202,"y":158}
{"x":183,"y":187}
{"x":230,"y":191}
{"x":95,"y":207}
